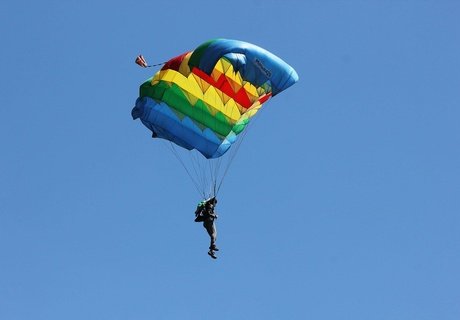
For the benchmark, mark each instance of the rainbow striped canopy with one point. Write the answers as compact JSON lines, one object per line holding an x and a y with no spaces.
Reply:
{"x":204,"y":98}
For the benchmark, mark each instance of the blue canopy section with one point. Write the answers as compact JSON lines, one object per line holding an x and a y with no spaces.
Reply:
{"x":255,"y":64}
{"x":178,"y":128}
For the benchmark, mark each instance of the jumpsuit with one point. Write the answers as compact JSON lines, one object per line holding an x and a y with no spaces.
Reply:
{"x":209,"y":225}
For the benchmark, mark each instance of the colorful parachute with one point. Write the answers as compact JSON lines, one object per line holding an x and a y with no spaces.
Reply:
{"x":203,"y":99}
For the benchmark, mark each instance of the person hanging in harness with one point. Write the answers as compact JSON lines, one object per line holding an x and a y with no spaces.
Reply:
{"x":205,"y":213}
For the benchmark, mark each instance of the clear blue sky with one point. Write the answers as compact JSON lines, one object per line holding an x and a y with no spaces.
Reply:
{"x":349,"y":209}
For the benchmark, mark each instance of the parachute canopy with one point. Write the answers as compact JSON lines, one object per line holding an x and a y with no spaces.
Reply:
{"x":203,"y":99}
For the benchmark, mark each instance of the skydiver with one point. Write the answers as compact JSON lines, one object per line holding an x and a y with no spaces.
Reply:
{"x":205,"y":213}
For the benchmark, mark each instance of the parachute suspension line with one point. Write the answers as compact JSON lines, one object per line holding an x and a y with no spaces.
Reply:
{"x":216,"y":168}
{"x":176,"y":154}
{"x":174,"y":151}
{"x":198,"y":164}
{"x":234,"y":150}
{"x":194,"y":167}
{"x":215,"y":175}
{"x":231,"y":156}
{"x":203,"y":170}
